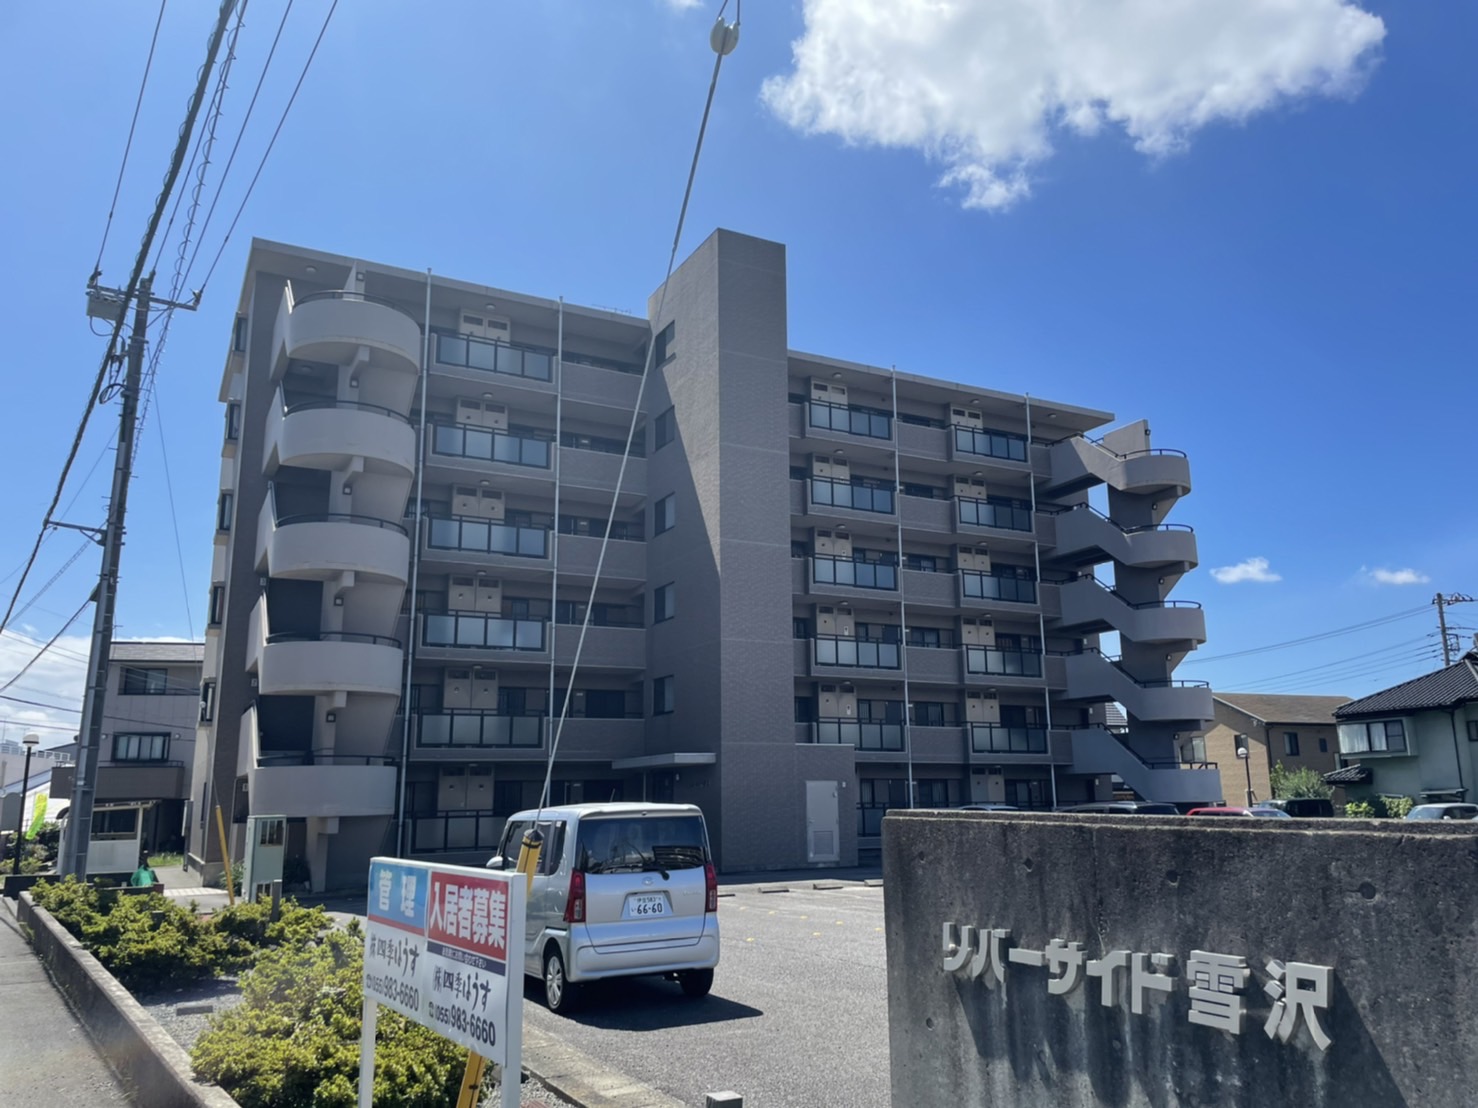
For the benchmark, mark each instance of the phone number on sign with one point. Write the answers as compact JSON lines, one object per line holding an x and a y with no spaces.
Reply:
{"x":460,"y":1019}
{"x":393,"y":990}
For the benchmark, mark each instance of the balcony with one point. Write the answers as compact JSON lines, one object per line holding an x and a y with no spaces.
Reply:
{"x":319,"y":663}
{"x":968,"y":444}
{"x":439,"y":832}
{"x":1000,"y":514}
{"x":1089,"y":605}
{"x":334,"y":327}
{"x":915,"y":441}
{"x":300,"y":785}
{"x":1085,"y":536}
{"x":850,"y":653}
{"x":625,"y":561}
{"x":975,"y":585}
{"x":459,"y":631}
{"x":827,"y":495}
{"x":1091,"y":676}
{"x":844,"y":572}
{"x":484,"y":444}
{"x":865,"y":735}
{"x":478,"y":359}
{"x":989,"y":661}
{"x":468,"y":729}
{"x":321,"y":546}
{"x":1097,"y":751}
{"x":471,"y":535}
{"x":330,"y":434}
{"x":840,"y":419}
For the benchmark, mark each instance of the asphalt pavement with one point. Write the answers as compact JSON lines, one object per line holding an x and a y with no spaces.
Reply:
{"x":52,"y":1062}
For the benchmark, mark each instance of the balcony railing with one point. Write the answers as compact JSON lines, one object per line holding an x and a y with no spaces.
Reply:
{"x":476,"y":631}
{"x":1002,"y":663}
{"x":494,"y":357}
{"x":831,"y":650}
{"x":990,"y":444}
{"x":472,"y":830}
{"x":325,"y":402}
{"x":844,"y":494}
{"x":342,"y":517}
{"x":458,"y":440}
{"x":851,"y":421}
{"x":999,"y":738}
{"x":1007,"y":515}
{"x":467,"y":728}
{"x":484,"y":536}
{"x":826,"y":570}
{"x":332,"y":636}
{"x":862,"y":734}
{"x":989,"y":586}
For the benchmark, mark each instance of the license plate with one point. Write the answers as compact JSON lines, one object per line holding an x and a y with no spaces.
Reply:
{"x":644,"y":905}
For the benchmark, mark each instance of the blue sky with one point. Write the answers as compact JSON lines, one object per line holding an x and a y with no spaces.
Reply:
{"x":1251,"y":224}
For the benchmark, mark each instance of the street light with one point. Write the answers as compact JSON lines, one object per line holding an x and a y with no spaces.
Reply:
{"x":1244,"y":751}
{"x":30,"y":742}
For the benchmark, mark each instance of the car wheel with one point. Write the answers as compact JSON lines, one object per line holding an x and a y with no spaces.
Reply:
{"x":696,"y":983}
{"x":560,"y":993}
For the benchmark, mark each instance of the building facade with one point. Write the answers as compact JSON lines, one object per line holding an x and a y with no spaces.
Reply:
{"x":150,"y":717}
{"x":1293,"y":731}
{"x":826,"y":589}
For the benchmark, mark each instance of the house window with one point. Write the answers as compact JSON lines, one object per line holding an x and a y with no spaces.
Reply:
{"x":1473,"y":730}
{"x":143,"y":682}
{"x":140,"y":748}
{"x":662,"y":343}
{"x":1323,"y":746}
{"x":207,"y":702}
{"x":233,"y":421}
{"x":805,"y":709}
{"x":666,"y":429}
{"x":800,"y":627}
{"x":238,"y":335}
{"x":1381,"y":736}
{"x":224,"y":509}
{"x":664,"y":603}
{"x":1290,"y":743}
{"x":664,"y":515}
{"x":661,"y":696}
{"x":217,"y":605}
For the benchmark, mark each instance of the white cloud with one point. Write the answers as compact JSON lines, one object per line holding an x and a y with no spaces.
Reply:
{"x":683,"y":5}
{"x":1394,"y":576}
{"x":58,"y":678}
{"x":981,"y":86}
{"x":1253,"y":569}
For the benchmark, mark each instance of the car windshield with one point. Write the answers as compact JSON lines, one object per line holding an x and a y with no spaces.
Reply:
{"x":632,"y":844}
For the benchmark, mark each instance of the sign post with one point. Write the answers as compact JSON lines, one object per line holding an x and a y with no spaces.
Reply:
{"x":444,"y":946}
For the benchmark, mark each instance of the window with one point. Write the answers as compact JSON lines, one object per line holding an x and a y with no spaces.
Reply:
{"x":605,"y":704}
{"x":1381,"y":736}
{"x":661,"y":696}
{"x":1324,"y":743}
{"x":662,"y":343}
{"x":924,"y":563}
{"x":207,"y":702}
{"x":805,"y":709}
{"x":936,"y":794}
{"x":233,"y":421}
{"x":1290,"y":743}
{"x":140,"y":748}
{"x":800,"y":627}
{"x":928,"y":713}
{"x":666,"y":429}
{"x":664,"y":603}
{"x":136,"y":681}
{"x":217,"y":605}
{"x":115,"y":823}
{"x":664,"y":515}
{"x":224,"y":510}
{"x":1473,"y":730}
{"x":799,"y":548}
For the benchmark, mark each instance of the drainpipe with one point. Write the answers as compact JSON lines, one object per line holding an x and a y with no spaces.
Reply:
{"x":1457,"y":752}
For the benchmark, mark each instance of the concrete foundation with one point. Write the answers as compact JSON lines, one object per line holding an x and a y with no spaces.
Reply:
{"x":1371,"y":925}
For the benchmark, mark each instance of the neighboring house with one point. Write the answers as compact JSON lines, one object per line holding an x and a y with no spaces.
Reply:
{"x":1415,"y":739}
{"x":16,"y":810}
{"x":148,"y":745}
{"x":1297,"y":731}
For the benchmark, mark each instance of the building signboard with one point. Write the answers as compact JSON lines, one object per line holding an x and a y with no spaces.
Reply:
{"x":437,"y":949}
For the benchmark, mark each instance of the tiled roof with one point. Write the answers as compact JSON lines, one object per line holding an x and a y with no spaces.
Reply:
{"x":1284,"y":709}
{"x":178,"y":652}
{"x":1447,"y":688}
{"x":1349,"y":775}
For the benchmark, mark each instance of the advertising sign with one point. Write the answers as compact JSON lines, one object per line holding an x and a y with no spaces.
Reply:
{"x":443,"y":946}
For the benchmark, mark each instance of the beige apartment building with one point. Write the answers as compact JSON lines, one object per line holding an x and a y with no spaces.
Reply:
{"x":828,"y":588}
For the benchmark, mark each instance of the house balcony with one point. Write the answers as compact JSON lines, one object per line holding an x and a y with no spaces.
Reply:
{"x":985,"y":447}
{"x":346,"y":328}
{"x":330,"y":434}
{"x":1008,"y":744}
{"x":844,"y":659}
{"x":321,"y":663}
{"x":321,"y":547}
{"x":323,"y":786}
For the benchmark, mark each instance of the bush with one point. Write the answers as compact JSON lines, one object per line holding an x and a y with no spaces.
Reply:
{"x":1302,"y":782}
{"x":1398,"y":807}
{"x":1380,"y":807}
{"x":294,"y":1038}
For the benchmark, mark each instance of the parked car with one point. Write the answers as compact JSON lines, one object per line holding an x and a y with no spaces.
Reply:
{"x":1302,"y":807}
{"x":620,"y":889}
{"x":984,"y":807}
{"x":1125,"y":808}
{"x":1444,"y":811}
{"x":1255,"y":810}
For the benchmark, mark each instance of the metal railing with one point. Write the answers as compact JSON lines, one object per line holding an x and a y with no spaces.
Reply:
{"x":849,"y":420}
{"x":485,"y":536}
{"x":992,"y":662}
{"x":1000,"y":738}
{"x":459,"y":440}
{"x":986,"y":513}
{"x":832,"y":650}
{"x":990,"y":444}
{"x":862,"y":734}
{"x":491,"y":356}
{"x":471,"y":728}
{"x":332,"y":636}
{"x":326,"y":403}
{"x":480,"y":631}
{"x":826,"y":570}
{"x":844,"y":494}
{"x":341,"y":517}
{"x":988,"y":586}
{"x":469,"y":830}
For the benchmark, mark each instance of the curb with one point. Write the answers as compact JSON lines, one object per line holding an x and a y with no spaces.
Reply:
{"x":134,"y":1045}
{"x":580,"y":1079}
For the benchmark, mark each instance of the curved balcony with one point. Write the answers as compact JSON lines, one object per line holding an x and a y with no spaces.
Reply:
{"x":334,"y":326}
{"x":322,"y":546}
{"x":1078,"y":463}
{"x":1093,"y":677}
{"x":1089,"y":605}
{"x":1085,"y":536}
{"x":328,"y":434}
{"x":323,"y":662}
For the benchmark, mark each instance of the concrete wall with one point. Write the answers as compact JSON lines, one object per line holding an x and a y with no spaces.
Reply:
{"x":1391,"y":909}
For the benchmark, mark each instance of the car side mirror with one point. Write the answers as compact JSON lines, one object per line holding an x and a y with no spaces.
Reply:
{"x":497,"y":861}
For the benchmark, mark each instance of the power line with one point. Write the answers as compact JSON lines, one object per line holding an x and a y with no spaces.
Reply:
{"x":174,"y":518}
{"x":128,"y":145}
{"x":1380,"y":621}
{"x":71,"y":655}
{"x":21,"y":672}
{"x":272,"y":142}
{"x":1404,"y":644}
{"x":1350,"y":671}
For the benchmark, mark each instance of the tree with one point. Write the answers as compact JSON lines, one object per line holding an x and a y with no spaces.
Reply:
{"x":1302,"y":782}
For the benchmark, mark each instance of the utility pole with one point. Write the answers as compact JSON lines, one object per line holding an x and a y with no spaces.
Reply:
{"x":84,"y":783}
{"x":1442,"y":602}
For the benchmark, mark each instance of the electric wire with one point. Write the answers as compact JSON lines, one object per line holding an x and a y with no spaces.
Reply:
{"x":128,"y":144}
{"x":1380,"y":669}
{"x":52,"y":580}
{"x":78,"y":711}
{"x":174,"y":519}
{"x":130,"y":291}
{"x":270,"y":143}
{"x":1346,"y":668}
{"x":1395,"y":617}
{"x":22,"y":671}
{"x":60,"y":651}
{"x":635,"y":411}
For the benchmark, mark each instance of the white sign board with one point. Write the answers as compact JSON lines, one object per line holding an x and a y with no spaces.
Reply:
{"x":444,"y":946}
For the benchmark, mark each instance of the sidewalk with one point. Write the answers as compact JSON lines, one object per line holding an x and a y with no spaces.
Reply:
{"x":45,"y":1055}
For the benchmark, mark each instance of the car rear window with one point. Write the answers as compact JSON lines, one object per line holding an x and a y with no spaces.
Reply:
{"x":630,"y":844}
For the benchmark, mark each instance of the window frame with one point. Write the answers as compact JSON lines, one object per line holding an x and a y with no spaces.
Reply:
{"x":225,"y":510}
{"x":1290,"y":744}
{"x":124,"y":739}
{"x":664,"y":428}
{"x":664,"y":603}
{"x":664,"y":514}
{"x":664,"y":699}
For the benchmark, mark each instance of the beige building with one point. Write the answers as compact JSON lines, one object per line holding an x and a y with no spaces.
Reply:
{"x":1292,"y":730}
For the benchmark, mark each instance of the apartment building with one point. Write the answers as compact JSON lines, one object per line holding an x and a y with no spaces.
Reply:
{"x":828,"y":588}
{"x":149,"y":726}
